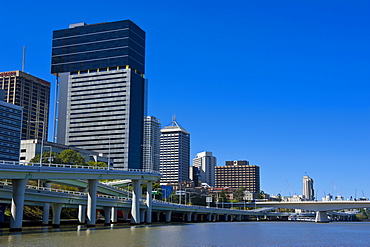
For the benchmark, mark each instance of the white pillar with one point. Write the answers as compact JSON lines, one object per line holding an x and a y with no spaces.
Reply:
{"x":19,"y":188}
{"x":226,"y":217}
{"x":209,"y":217}
{"x":149,"y":203}
{"x":81,"y":214}
{"x":46,"y":208}
{"x":158,"y":216}
{"x":239,"y":218}
{"x":125,"y":214}
{"x":135,"y":207}
{"x":195,"y":217}
{"x":321,"y":217}
{"x":57,"y":209}
{"x":113,"y":215}
{"x":107,"y":215}
{"x":91,"y":202}
{"x":168,"y":216}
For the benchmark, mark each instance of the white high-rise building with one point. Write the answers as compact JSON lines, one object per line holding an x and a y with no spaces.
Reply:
{"x":308,"y":191}
{"x":152,"y":132}
{"x":206,"y":163}
{"x":174,"y":153}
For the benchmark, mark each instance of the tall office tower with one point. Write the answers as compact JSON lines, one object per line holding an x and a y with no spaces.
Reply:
{"x":152,"y":132}
{"x":174,"y":154}
{"x":10,"y":129}
{"x":33,"y":95}
{"x":308,"y":191}
{"x":206,"y":163}
{"x":102,"y":88}
{"x":238,"y":174}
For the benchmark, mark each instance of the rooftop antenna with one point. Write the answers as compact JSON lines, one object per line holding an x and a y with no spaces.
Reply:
{"x":23,"y":58}
{"x":290,"y":188}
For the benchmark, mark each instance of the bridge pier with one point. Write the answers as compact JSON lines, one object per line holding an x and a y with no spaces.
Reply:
{"x":113,"y":217}
{"x":91,"y":202}
{"x":135,"y":207}
{"x":209,"y":217}
{"x":168,"y":216}
{"x":19,"y":188}
{"x":239,"y":217}
{"x":81,"y":214}
{"x":226,"y":217}
{"x":57,"y":209}
{"x":46,"y":208}
{"x":149,"y":203}
{"x":188,"y":217}
{"x":321,"y":217}
{"x":142,"y":216}
{"x":107,"y":215}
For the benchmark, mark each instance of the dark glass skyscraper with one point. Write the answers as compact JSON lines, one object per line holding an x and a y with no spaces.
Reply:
{"x":102,"y":89}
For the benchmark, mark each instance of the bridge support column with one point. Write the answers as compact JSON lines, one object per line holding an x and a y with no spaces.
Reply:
{"x":321,"y":217}
{"x":135,"y":207}
{"x":158,"y":216}
{"x":107,"y":215}
{"x":113,"y":217}
{"x":57,"y":209}
{"x":125,"y":214}
{"x":81,"y":214}
{"x":91,"y":202}
{"x":149,"y":203}
{"x":209,"y":217}
{"x":19,"y":188}
{"x":168,"y":216}
{"x":188,"y":216}
{"x":142,"y":216}
{"x":239,"y":217}
{"x":195,"y":217}
{"x":46,"y":208}
{"x":226,"y":217}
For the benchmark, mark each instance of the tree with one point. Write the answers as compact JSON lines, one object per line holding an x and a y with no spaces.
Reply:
{"x":223,"y":197}
{"x":261,"y":195}
{"x":239,"y":194}
{"x":71,"y":157}
{"x":47,"y":157}
{"x":98,"y":164}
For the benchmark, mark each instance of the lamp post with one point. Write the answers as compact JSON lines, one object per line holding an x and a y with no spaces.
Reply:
{"x":42,"y":140}
{"x":51,"y":150}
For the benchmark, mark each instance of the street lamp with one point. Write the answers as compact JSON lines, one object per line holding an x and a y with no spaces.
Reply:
{"x":51,"y":150}
{"x":42,"y":140}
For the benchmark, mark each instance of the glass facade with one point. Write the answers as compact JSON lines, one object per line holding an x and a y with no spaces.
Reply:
{"x":98,"y":46}
{"x":10,"y":131}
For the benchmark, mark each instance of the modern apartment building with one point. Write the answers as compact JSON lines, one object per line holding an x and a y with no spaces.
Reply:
{"x":308,"y":191}
{"x":174,"y":154}
{"x":206,"y":164}
{"x":10,"y":129}
{"x":238,"y":174}
{"x":152,"y":132}
{"x":33,"y":95}
{"x":100,"y":69}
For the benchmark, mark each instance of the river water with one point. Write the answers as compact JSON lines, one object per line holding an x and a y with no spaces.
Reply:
{"x":195,"y":234}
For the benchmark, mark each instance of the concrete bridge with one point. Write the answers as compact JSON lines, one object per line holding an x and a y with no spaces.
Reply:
{"x":141,"y":210}
{"x":321,"y":207}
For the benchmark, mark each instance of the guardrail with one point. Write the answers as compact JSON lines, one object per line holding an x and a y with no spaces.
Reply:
{"x":17,"y":163}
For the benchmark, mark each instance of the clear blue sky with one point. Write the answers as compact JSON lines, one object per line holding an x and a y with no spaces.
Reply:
{"x":282,"y":84}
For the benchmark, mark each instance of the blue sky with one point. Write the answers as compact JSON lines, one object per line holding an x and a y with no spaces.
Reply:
{"x":282,"y":84}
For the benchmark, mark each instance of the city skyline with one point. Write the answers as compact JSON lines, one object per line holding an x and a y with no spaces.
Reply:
{"x":283,"y":85}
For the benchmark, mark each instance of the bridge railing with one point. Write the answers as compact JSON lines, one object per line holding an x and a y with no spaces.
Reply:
{"x":17,"y":163}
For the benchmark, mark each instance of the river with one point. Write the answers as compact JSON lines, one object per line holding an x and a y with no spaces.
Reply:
{"x":250,"y":233}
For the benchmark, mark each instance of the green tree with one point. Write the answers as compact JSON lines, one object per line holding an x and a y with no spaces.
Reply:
{"x":261,"y":195}
{"x":239,"y":194}
{"x":98,"y":164}
{"x":223,"y":197}
{"x":71,"y":157}
{"x":47,"y":157}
